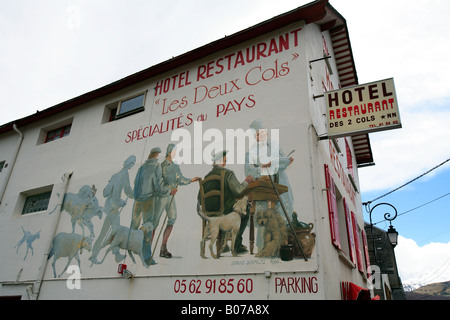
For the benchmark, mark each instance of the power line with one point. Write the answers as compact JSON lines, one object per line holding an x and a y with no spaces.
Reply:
{"x":430,"y":277}
{"x":424,"y":204}
{"x":434,"y":274}
{"x":384,"y":195}
{"x":418,"y":207}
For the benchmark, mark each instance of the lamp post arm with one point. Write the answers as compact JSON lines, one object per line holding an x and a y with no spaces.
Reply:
{"x":387,"y":216}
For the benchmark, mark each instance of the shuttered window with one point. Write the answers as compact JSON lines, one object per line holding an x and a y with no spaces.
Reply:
{"x":351,"y":239}
{"x":366,"y":250}
{"x":332,"y":208}
{"x":356,"y":235}
{"x":349,"y":158}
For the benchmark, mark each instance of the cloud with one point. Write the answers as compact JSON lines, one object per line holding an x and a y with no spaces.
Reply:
{"x":403,"y":154}
{"x":419,"y":266}
{"x":403,"y":41}
{"x":57,"y":50}
{"x":390,"y":42}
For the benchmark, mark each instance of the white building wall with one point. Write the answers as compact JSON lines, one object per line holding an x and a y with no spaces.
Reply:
{"x":94,"y":151}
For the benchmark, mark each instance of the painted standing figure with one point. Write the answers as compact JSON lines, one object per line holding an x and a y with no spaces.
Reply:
{"x":119,"y":182}
{"x":266,"y":158}
{"x":148,"y":191}
{"x":172,"y":177}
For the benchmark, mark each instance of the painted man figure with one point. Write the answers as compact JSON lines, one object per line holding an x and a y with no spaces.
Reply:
{"x":266,"y":158}
{"x":119,"y":182}
{"x":148,"y":191}
{"x":233,"y":189}
{"x":172,"y":178}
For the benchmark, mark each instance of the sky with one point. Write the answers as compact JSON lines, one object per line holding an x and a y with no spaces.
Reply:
{"x":54,"y":50}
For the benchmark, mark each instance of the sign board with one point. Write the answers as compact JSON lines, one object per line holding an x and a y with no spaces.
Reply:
{"x":361,"y":109}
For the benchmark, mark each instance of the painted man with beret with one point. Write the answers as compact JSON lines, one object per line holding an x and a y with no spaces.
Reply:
{"x":233,"y":189}
{"x":148,"y":191}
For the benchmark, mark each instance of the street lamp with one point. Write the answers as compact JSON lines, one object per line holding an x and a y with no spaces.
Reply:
{"x":391,"y":233}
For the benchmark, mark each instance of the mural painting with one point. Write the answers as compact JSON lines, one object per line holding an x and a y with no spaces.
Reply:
{"x":68,"y":245}
{"x":117,"y":185}
{"x":27,"y":238}
{"x":245,"y":210}
{"x":226,"y":206}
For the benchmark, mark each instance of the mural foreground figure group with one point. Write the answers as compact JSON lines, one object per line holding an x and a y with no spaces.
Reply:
{"x":154,"y":193}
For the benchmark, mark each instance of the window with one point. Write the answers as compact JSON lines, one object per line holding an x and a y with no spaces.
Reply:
{"x":55,"y":131}
{"x":344,"y":230}
{"x":125,"y":107}
{"x":58,"y":133}
{"x":332,"y":208}
{"x":110,"y":112}
{"x":356,"y":234}
{"x":349,"y":231}
{"x":349,"y":157}
{"x":36,"y":203}
{"x":32,"y":201}
{"x":112,"y":115}
{"x":131,"y":105}
{"x":366,"y":250}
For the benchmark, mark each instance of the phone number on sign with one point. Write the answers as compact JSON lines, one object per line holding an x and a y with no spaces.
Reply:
{"x":198,"y":286}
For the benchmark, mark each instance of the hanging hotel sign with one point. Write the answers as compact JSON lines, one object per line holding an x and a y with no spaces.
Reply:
{"x":361,"y":109}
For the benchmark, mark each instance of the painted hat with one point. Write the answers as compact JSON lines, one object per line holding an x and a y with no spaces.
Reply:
{"x":257,"y":125}
{"x":156,"y":149}
{"x":219,"y":155}
{"x":131,"y":160}
{"x":170,"y":148}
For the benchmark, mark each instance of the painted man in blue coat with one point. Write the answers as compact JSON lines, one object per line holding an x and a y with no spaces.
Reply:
{"x":148,"y":191}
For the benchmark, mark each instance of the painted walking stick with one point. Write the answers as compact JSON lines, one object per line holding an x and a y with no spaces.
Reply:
{"x":287,"y":218}
{"x":162,"y":227}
